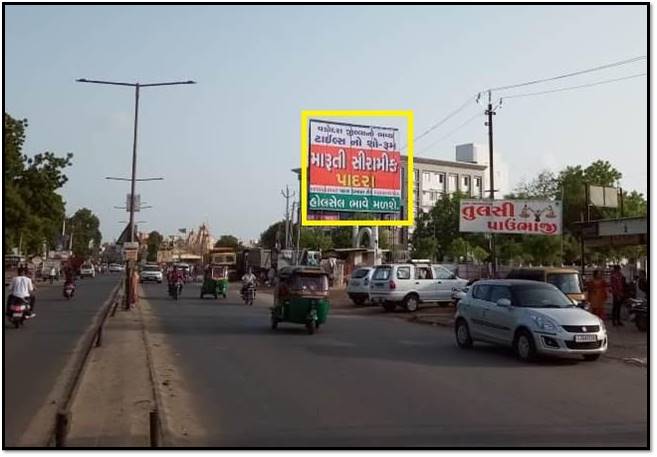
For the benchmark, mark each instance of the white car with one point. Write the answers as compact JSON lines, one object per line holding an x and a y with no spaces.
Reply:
{"x":87,"y":270}
{"x":409,"y":284}
{"x":358,"y":288}
{"x":116,"y":268}
{"x":150,"y":273}
{"x":530,"y":316}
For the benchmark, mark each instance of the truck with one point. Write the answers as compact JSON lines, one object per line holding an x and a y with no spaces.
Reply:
{"x":261,"y":260}
{"x":224,"y":256}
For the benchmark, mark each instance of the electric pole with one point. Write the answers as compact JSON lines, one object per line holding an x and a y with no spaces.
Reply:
{"x":490,"y":113}
{"x":287,"y":196}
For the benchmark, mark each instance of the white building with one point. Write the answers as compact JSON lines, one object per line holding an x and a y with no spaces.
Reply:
{"x":478,"y":153}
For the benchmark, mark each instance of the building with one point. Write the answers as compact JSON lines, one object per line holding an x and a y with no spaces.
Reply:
{"x":478,"y":154}
{"x":434,"y":177}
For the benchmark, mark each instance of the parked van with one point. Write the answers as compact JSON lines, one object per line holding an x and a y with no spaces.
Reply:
{"x":358,"y":288}
{"x":410,"y":284}
{"x":568,"y":280}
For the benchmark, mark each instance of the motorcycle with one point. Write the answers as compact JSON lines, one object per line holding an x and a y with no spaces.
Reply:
{"x":248,"y":294}
{"x":175,"y":289}
{"x":639,"y":314}
{"x":69,"y":290}
{"x":19,"y":311}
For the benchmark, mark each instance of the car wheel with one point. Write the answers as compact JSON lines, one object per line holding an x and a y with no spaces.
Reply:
{"x":359,"y":301}
{"x":524,"y":346}
{"x":411,"y":303}
{"x":591,"y":357}
{"x":463,"y":338}
{"x":389,"y":306}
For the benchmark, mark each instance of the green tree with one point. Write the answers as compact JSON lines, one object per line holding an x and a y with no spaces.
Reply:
{"x":275,"y":232}
{"x":342,"y":237}
{"x":33,"y":211}
{"x":227,"y":241}
{"x":84,"y":226}
{"x":153,"y":245}
{"x":314,"y":238}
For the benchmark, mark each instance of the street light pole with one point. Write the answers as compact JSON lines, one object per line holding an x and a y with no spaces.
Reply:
{"x":133,"y":179}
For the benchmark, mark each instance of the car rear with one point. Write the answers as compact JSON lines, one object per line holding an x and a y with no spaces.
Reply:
{"x":383,"y":287}
{"x":358,"y":288}
{"x":87,"y":271}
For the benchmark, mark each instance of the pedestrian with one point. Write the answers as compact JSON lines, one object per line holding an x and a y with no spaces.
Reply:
{"x":134,"y":290}
{"x":597,"y":292}
{"x":52,"y":274}
{"x":618,"y":294}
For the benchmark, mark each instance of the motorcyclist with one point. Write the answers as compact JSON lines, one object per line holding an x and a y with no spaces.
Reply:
{"x":175,"y":275}
{"x":249,"y":279}
{"x":21,"y":288}
{"x":52,"y":274}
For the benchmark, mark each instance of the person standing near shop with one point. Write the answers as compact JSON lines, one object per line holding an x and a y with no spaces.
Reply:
{"x":597,"y":292}
{"x":618,"y":294}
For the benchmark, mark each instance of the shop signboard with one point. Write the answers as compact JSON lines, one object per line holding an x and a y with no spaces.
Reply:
{"x":526,"y":217}
{"x":353,"y":168}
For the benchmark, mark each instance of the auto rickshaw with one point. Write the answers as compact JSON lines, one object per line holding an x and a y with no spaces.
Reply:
{"x":215,"y":281}
{"x":301,"y":297}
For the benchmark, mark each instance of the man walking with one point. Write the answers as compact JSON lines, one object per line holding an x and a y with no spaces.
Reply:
{"x":618,"y":294}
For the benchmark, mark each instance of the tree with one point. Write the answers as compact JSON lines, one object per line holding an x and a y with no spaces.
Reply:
{"x":315,"y":239}
{"x":275,"y":232}
{"x":84,"y":227}
{"x":227,"y":241}
{"x":153,"y":245}
{"x":342,"y":237}
{"x":33,"y":211}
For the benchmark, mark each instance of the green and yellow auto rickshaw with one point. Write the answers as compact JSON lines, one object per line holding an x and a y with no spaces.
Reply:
{"x":301,"y":297}
{"x":215,"y":281}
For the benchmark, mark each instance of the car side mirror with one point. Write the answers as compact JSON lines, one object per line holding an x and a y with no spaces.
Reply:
{"x":504,"y":302}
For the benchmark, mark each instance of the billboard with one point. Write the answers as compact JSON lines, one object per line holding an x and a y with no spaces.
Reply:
{"x":353,"y":168}
{"x":526,"y":217}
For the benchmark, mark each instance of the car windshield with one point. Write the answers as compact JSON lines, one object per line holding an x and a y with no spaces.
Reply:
{"x":151,"y":269}
{"x":539,"y":296}
{"x":382,"y":273}
{"x":568,"y":283}
{"x":360,"y":273}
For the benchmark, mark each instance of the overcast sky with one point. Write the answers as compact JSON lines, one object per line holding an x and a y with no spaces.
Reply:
{"x":226,"y":145}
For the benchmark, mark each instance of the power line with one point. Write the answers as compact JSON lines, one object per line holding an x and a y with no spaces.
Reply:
{"x":568,"y":75}
{"x":442,"y":121}
{"x":581,"y":86}
{"x":478,"y":114}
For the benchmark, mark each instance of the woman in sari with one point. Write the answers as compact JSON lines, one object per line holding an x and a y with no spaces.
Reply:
{"x":597,"y":292}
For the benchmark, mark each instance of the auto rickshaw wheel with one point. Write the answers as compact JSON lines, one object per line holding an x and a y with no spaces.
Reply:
{"x":274,"y":323}
{"x":311,"y":326}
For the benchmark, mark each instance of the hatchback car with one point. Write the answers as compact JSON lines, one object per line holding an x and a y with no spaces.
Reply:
{"x":409,"y":284}
{"x":358,"y":288}
{"x":116,"y":268}
{"x":532,"y":317}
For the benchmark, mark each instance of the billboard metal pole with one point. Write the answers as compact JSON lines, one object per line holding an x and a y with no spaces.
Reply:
{"x":490,"y":114}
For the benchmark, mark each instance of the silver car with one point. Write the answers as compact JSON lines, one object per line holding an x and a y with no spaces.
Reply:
{"x":532,"y":317}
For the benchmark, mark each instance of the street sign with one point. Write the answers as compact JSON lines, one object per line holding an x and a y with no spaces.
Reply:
{"x":137,"y":202}
{"x":130,"y":254}
{"x":528,"y":217}
{"x":131,"y":245}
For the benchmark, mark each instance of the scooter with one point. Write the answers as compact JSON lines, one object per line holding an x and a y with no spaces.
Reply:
{"x":18,"y":311}
{"x":248,"y":294}
{"x":639,"y":314}
{"x":69,"y":290}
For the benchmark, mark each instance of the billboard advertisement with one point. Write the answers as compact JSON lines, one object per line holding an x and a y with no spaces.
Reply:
{"x":353,"y":168}
{"x":526,"y":217}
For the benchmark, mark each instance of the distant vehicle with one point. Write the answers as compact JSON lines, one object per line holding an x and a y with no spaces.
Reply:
{"x":116,"y":268}
{"x":409,"y":284}
{"x":150,"y":273}
{"x":358,"y":288}
{"x":531,"y":317}
{"x":87,"y":270}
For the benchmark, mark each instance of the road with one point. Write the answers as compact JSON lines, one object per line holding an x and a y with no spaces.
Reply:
{"x":35,"y":355}
{"x":378,"y":381}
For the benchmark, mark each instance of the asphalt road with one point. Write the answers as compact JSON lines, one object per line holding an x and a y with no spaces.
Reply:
{"x":35,"y":354}
{"x":377,"y":381}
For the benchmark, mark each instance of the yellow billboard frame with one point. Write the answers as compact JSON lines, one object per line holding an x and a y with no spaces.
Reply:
{"x":410,"y":176}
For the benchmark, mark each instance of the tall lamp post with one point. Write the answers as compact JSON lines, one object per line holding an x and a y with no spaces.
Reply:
{"x":137,"y":86}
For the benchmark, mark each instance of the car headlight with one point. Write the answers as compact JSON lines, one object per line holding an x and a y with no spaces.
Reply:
{"x":544,"y":323}
{"x":602,"y":325}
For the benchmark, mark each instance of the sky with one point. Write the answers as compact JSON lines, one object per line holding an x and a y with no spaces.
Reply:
{"x":225,"y":146}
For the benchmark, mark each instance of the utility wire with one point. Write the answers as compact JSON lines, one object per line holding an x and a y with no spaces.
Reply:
{"x":478,"y":114}
{"x":568,"y":75}
{"x":596,"y":83}
{"x":442,"y":121}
